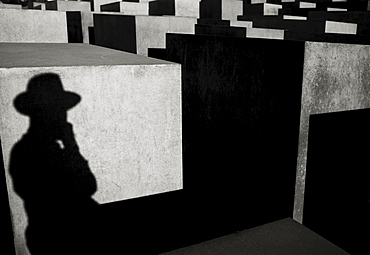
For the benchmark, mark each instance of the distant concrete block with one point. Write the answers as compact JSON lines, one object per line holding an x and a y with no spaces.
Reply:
{"x":239,"y":23}
{"x":136,"y":34}
{"x":261,"y":9}
{"x":126,"y":8}
{"x":61,"y":5}
{"x":329,"y":86}
{"x":33,"y":26}
{"x":308,"y":5}
{"x":231,"y":9}
{"x":340,"y":27}
{"x":265,"y":33}
{"x":127,"y":124}
{"x":180,"y":8}
{"x":292,"y":17}
{"x":10,"y":6}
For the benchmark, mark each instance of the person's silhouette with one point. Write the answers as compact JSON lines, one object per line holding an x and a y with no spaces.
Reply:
{"x":49,"y":173}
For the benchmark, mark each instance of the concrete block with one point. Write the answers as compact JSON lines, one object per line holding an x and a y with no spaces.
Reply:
{"x":61,"y":5}
{"x":309,"y":5}
{"x":38,"y":6}
{"x":33,"y":26}
{"x":340,"y":27}
{"x":136,"y":34}
{"x":127,"y":126}
{"x":290,"y":17}
{"x":10,"y":6}
{"x":261,"y":9}
{"x":231,"y":9}
{"x":336,"y":9}
{"x":239,"y":23}
{"x":265,"y":33}
{"x":233,"y":110}
{"x":181,"y":8}
{"x":329,"y":86}
{"x":126,"y":8}
{"x":97,"y":3}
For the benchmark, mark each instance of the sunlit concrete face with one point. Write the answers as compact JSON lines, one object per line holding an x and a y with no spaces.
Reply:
{"x":33,"y":26}
{"x":335,"y":78}
{"x":127,"y":124}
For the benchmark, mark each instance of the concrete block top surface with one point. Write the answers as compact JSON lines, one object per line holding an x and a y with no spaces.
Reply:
{"x":63,"y":54}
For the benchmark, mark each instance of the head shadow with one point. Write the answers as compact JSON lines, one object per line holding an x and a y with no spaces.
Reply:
{"x":49,"y":173}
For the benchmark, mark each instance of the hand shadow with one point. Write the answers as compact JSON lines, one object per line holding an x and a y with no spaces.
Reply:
{"x":50,"y":174}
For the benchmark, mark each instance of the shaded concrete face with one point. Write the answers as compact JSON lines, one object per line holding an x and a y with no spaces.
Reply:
{"x":33,"y":26}
{"x":127,"y":125}
{"x":336,"y":78}
{"x":241,"y":111}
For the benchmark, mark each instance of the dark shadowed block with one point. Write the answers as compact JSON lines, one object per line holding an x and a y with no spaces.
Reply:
{"x":91,"y":35}
{"x":241,"y":111}
{"x":111,"y":7}
{"x":211,"y":9}
{"x":163,"y":7}
{"x":157,"y":53}
{"x":337,"y":202}
{"x":115,"y":31}
{"x":74,"y":27}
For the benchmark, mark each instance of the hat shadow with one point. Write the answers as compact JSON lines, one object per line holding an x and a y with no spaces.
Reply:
{"x":50,"y":174}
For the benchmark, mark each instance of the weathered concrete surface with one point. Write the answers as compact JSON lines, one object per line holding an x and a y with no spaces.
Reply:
{"x":241,"y":117}
{"x":33,"y":26}
{"x":336,"y":78}
{"x":127,"y":125}
{"x":340,"y":27}
{"x":136,"y":34}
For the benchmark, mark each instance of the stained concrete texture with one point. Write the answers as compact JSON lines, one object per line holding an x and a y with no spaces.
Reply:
{"x":127,"y":125}
{"x":33,"y":26}
{"x":241,"y":115}
{"x":126,"y":8}
{"x":61,"y":5}
{"x":335,"y":79}
{"x":136,"y":34}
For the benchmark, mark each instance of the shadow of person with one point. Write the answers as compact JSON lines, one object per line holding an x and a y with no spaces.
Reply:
{"x":50,"y":174}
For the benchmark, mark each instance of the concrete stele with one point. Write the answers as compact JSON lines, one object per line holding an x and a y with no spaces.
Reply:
{"x":329,"y":86}
{"x":10,"y":6}
{"x":330,"y":9}
{"x":180,"y":8}
{"x":61,"y":5}
{"x":265,"y":33}
{"x":231,"y":9}
{"x":271,"y":9}
{"x":336,"y":27}
{"x":240,"y":23}
{"x":292,"y":17}
{"x":127,"y":8}
{"x":143,"y":31}
{"x":307,"y":5}
{"x":127,"y":125}
{"x":33,"y":26}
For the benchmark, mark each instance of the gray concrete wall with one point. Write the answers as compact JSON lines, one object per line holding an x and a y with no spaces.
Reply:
{"x":336,"y":78}
{"x":127,"y":125}
{"x":33,"y":26}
